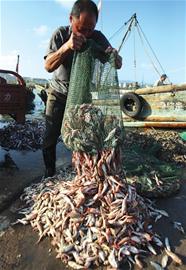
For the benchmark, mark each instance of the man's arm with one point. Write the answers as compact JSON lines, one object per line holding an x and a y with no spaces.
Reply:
{"x":100,"y":38}
{"x":118,"y":58}
{"x":55,"y":59}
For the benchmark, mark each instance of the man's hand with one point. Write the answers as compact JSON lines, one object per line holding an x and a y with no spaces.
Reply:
{"x":118,"y":58}
{"x":76,"y":41}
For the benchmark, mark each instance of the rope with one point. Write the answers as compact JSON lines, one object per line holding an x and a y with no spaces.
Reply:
{"x":163,"y":71}
{"x":132,"y":20}
{"x":135,"y":70}
{"x":125,"y":36}
{"x":117,"y":32}
{"x":147,"y":52}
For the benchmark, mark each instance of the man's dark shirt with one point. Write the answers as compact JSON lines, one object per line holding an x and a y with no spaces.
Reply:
{"x":61,"y":75}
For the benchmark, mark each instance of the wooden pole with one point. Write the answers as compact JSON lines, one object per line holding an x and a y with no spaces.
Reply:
{"x":161,"y":89}
{"x":17,"y":65}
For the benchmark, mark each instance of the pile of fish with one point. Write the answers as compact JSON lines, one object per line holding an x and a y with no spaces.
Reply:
{"x":94,"y":218}
{"x":88,"y":229}
{"x":93,"y":222}
{"x":28,"y":136}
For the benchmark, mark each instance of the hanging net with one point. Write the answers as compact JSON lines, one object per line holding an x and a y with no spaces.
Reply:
{"x":90,"y":124}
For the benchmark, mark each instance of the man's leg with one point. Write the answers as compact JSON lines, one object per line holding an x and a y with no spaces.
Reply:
{"x":49,"y":157}
{"x":54,"y":116}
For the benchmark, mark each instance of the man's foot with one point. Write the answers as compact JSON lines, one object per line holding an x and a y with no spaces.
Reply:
{"x":49,"y":172}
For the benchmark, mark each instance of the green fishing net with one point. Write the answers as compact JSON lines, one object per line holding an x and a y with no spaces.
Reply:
{"x":89,"y":124}
{"x":183,"y":136}
{"x":152,"y":177}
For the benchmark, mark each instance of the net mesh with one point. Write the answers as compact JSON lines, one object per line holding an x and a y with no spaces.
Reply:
{"x":92,"y":119}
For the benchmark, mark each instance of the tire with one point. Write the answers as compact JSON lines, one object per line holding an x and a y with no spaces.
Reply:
{"x":131,"y":104}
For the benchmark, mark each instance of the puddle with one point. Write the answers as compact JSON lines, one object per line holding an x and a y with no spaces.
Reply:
{"x":37,"y":108}
{"x":4,"y":223}
{"x":3,"y":124}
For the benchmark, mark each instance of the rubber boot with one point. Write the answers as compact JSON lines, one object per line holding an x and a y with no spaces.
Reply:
{"x":49,"y":157}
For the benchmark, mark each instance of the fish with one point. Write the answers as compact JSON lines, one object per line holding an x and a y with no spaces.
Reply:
{"x":174,"y":257}
{"x":27,"y":136}
{"x":74,"y":265}
{"x":179,"y":227}
{"x":112,"y":259}
{"x":138,"y":262}
{"x":156,"y":265}
{"x":164,"y":261}
{"x":167,"y":244}
{"x":151,"y":249}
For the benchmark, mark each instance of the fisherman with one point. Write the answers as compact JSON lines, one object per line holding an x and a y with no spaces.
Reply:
{"x":58,"y":59}
{"x":43,"y":96}
{"x":161,"y":81}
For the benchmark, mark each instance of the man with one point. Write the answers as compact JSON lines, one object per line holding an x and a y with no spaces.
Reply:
{"x":161,"y":80}
{"x":58,"y":59}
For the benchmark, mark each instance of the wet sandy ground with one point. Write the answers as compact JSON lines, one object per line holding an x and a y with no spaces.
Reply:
{"x":18,"y":248}
{"x":22,"y":168}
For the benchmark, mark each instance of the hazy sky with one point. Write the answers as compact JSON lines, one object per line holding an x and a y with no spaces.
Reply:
{"x":26,"y":27}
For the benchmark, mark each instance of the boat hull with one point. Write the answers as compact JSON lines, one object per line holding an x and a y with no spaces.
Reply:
{"x":163,"y":106}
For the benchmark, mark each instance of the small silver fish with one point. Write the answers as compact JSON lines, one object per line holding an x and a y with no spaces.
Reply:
{"x":164,"y":261}
{"x":178,"y":226}
{"x":112,"y":259}
{"x":74,"y":265}
{"x":175,"y":257}
{"x":156,"y":265}
{"x":167,"y":244}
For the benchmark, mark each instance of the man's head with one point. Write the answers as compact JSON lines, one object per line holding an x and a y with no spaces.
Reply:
{"x":163,"y":77}
{"x":83,"y":17}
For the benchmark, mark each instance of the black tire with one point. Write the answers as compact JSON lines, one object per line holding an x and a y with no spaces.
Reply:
{"x":131,"y":104}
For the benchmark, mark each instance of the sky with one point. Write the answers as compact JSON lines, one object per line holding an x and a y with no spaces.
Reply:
{"x":26,"y":28}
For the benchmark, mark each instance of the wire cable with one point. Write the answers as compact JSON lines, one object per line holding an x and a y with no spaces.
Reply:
{"x":148,"y":55}
{"x":134,"y":51}
{"x":151,"y":49}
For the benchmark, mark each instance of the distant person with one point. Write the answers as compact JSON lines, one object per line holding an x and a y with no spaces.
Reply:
{"x":43,"y":96}
{"x":136,"y":85}
{"x":161,"y":81}
{"x":58,"y":59}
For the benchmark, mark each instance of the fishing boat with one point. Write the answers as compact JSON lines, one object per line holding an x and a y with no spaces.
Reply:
{"x":160,"y":106}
